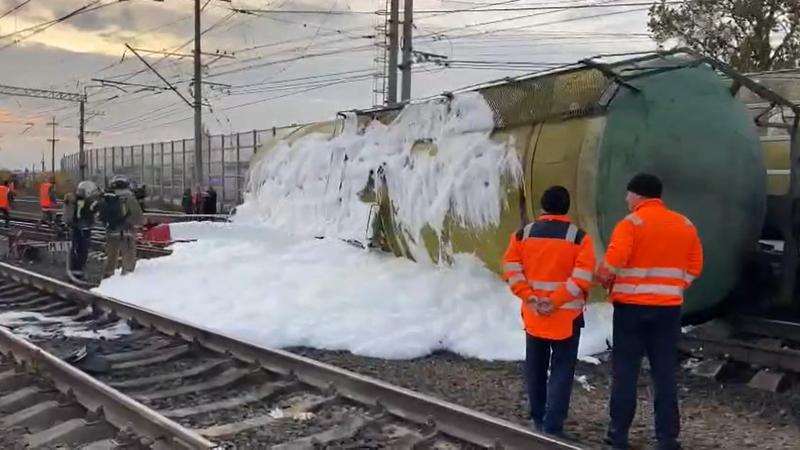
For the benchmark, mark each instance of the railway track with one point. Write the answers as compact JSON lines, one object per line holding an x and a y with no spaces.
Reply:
{"x":32,"y":230}
{"x":765,"y":353}
{"x":30,"y":224}
{"x":36,"y":411}
{"x":227,"y":393}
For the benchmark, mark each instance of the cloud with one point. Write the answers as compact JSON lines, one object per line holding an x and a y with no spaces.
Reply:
{"x":290,"y":49}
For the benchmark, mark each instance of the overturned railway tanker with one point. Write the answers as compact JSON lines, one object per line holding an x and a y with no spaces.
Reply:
{"x":588,"y":127}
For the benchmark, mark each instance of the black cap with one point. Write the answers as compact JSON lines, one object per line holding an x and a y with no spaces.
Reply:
{"x":646,"y":185}
{"x":555,"y":200}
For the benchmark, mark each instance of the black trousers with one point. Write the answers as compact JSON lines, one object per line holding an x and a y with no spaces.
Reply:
{"x":654,"y":331}
{"x":79,"y":253}
{"x":549,"y":397}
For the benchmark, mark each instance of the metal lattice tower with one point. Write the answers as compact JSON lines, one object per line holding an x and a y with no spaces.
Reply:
{"x":379,"y":79}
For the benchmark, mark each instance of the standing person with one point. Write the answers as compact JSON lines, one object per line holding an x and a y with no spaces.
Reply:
{"x":140,"y":192}
{"x":549,"y":265}
{"x":6,"y":198}
{"x":654,"y":254}
{"x":47,"y":200}
{"x":186,"y":201}
{"x":197,"y":200}
{"x":80,"y":209}
{"x":122,"y":215}
{"x":210,"y":201}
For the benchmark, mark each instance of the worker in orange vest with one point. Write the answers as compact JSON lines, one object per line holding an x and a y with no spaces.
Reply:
{"x":549,"y":265}
{"x":47,"y":199}
{"x":6,"y":198}
{"x":653,"y":256}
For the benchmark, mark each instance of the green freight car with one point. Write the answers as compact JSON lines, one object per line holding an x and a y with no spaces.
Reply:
{"x":590,"y":127}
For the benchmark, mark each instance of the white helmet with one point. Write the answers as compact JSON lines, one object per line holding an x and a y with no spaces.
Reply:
{"x":87,"y":189}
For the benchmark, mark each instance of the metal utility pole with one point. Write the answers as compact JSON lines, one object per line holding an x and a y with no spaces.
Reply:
{"x":82,"y":142}
{"x":394,"y":19}
{"x":53,"y":141}
{"x":198,"y":99}
{"x":408,"y":24}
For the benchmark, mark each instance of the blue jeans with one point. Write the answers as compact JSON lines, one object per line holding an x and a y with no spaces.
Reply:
{"x":549,"y":398}
{"x":654,"y":331}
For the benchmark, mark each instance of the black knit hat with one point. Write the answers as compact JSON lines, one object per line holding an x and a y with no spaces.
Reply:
{"x":555,"y":200}
{"x":646,"y":185}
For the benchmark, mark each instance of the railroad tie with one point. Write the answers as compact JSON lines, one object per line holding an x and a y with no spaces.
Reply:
{"x":300,"y":406}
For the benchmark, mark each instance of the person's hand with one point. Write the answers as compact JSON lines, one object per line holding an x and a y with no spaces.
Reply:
{"x":540,"y":305}
{"x":544,"y":306}
{"x":604,"y":277}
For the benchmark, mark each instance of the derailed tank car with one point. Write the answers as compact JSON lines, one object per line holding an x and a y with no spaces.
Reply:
{"x":590,"y":127}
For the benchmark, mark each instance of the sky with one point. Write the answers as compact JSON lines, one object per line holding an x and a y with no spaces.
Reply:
{"x":269,"y":68}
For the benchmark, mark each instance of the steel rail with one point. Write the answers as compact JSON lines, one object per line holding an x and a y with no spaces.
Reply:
{"x":119,"y":409}
{"x":149,"y":212}
{"x":46,"y":235}
{"x":768,"y":327}
{"x":450,"y":419}
{"x":746,"y":352}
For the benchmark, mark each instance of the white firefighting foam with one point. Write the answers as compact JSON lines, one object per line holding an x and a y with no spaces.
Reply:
{"x":264,"y":278}
{"x":312,"y":186}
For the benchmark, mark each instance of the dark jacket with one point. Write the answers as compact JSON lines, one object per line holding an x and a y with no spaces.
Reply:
{"x":133,"y":214}
{"x":209,"y":201}
{"x":186,"y":202}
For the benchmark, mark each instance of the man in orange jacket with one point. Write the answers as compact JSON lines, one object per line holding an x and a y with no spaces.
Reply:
{"x":549,"y":265}
{"x":6,"y":198}
{"x":654,"y":254}
{"x":47,"y":200}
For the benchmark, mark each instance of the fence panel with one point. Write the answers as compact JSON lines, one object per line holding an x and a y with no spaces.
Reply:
{"x":167,"y":168}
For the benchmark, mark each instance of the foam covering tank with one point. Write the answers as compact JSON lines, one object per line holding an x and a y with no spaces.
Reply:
{"x":590,"y":130}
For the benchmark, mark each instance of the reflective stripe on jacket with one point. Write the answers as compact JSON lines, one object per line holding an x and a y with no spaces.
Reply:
{"x":550,"y":258}
{"x":655,"y":254}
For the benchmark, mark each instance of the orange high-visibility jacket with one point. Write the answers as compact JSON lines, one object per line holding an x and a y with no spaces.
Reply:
{"x":550,"y":258}
{"x":45,"y":199}
{"x":4,"y":203}
{"x":654,"y":254}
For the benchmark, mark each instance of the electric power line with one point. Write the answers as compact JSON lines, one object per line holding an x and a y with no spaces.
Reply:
{"x":36,"y":29}
{"x":10,"y":11}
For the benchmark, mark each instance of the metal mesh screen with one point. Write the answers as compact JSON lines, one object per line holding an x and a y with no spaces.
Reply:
{"x":558,"y":95}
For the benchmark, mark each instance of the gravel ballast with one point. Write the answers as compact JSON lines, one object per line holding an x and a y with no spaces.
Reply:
{"x":713,"y":414}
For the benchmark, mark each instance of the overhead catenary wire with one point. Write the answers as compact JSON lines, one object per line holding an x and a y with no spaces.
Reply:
{"x":465,"y":27}
{"x":36,"y":29}
{"x":13,"y":9}
{"x":128,"y":76}
{"x":460,"y":10}
{"x":528,"y":16}
{"x":296,"y":91}
{"x":468,"y":58}
{"x":255,"y":66}
{"x":277,"y":85}
{"x":332,"y":31}
{"x":482,"y":66}
{"x":241,"y":105}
